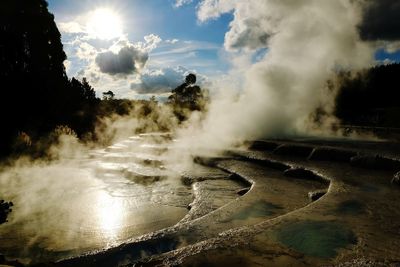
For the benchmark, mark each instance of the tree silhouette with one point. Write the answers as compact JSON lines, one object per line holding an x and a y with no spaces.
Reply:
{"x":36,"y":92}
{"x":187,"y":97}
{"x":108,"y":95}
{"x":371,"y":97}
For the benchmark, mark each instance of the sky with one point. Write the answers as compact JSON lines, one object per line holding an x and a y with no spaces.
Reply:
{"x":172,"y":36}
{"x":140,"y":48}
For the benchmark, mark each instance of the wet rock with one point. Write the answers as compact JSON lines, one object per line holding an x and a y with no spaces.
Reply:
{"x":153,"y":163}
{"x":144,"y":179}
{"x":315,"y":195}
{"x":362,"y":262}
{"x":240,"y":179}
{"x":208,"y":161}
{"x":263,"y":146}
{"x":396,"y":179}
{"x":375,"y":162}
{"x":273,"y":164}
{"x":332,"y":154}
{"x":189,"y":180}
{"x":301,"y":173}
{"x":243,"y":191}
{"x":5,"y":263}
{"x":258,"y":209}
{"x":293,"y":150}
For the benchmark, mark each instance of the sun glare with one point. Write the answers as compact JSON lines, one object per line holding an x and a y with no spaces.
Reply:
{"x":110,"y":215}
{"x":105,"y":24}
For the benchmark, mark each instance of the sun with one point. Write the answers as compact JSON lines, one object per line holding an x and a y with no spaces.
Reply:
{"x":104,"y":23}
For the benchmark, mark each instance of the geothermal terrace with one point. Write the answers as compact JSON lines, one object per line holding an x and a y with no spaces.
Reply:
{"x":270,"y":203}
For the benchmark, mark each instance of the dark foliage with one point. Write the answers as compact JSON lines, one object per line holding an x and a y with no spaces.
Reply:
{"x":36,"y":92}
{"x":5,"y":209}
{"x":370,"y":98}
{"x":108,"y":95}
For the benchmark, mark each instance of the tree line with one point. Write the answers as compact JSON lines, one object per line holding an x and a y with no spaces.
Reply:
{"x":370,"y":97}
{"x":36,"y":94}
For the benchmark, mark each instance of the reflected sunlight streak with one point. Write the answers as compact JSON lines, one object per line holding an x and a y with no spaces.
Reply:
{"x":110,"y":215}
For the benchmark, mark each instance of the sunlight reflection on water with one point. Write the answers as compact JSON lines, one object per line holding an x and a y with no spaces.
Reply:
{"x":74,"y":207}
{"x":110,"y":215}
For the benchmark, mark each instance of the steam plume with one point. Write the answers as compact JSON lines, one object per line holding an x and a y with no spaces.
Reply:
{"x":307,"y":42}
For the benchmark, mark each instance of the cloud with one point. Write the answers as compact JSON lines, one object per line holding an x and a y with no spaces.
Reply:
{"x":152,"y":42}
{"x":128,"y":60}
{"x":392,"y":47}
{"x":85,"y":51}
{"x":160,"y":81}
{"x":179,"y":3}
{"x":172,"y":41}
{"x":388,"y":46}
{"x":212,"y":9}
{"x":381,"y":20}
{"x":67,"y":65}
{"x":250,"y":28}
{"x":71,"y":27}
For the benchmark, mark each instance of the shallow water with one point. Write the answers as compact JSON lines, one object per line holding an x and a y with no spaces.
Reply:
{"x":316,"y":238}
{"x":68,"y":208}
{"x":127,"y":190}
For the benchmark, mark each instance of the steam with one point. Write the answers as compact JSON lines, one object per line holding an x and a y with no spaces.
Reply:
{"x":307,"y":42}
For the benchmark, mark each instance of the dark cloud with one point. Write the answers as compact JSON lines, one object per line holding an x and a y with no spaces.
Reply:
{"x":381,"y":20}
{"x":128,"y":60}
{"x":160,"y":81}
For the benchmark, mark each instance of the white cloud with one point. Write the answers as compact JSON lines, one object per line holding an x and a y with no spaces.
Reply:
{"x":159,"y":81}
{"x":387,"y":61}
{"x":85,"y":51}
{"x":67,"y":65}
{"x":175,"y":48}
{"x":390,"y":47}
{"x":70,"y":27}
{"x":212,"y":9}
{"x":179,"y":3}
{"x":188,"y":54}
{"x":172,"y":41}
{"x":152,"y":41}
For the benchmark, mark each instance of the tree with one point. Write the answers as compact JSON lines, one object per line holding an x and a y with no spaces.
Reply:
{"x":187,"y":94}
{"x":88,"y":90}
{"x":108,"y":95}
{"x":370,"y":97}
{"x":187,"y":97}
{"x":36,"y":92}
